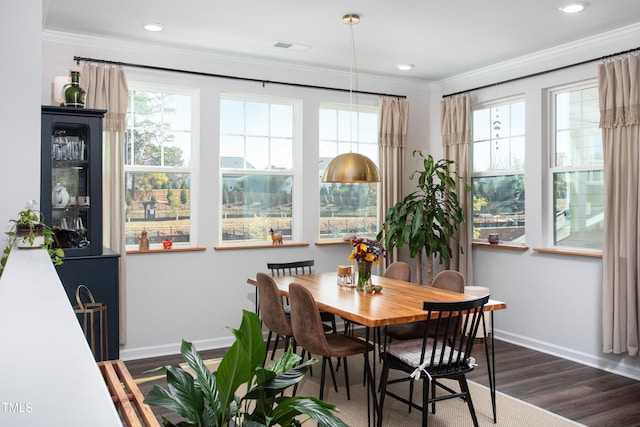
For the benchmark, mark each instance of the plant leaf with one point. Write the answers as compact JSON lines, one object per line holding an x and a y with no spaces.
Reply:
{"x":314,"y":408}
{"x":205,"y":380}
{"x":242,"y":358}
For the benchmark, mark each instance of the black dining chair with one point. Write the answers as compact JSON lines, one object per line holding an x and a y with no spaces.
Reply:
{"x":446,"y":354}
{"x":290,"y":268}
{"x":450,"y":280}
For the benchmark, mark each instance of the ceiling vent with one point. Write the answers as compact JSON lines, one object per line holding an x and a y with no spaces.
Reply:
{"x":291,"y":46}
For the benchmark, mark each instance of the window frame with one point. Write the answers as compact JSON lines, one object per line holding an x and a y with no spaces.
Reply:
{"x":192,"y":170}
{"x":295,"y":171}
{"x":353,"y":141}
{"x":553,"y":169}
{"x":491,"y":173}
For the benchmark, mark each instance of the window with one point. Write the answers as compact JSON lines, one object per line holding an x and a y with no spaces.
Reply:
{"x":159,"y":164}
{"x":498,"y":171}
{"x":577,"y":168}
{"x":259,"y":158}
{"x":348,"y":208}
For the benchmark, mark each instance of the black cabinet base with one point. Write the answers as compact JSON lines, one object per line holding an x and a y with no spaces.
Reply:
{"x":99,"y":273}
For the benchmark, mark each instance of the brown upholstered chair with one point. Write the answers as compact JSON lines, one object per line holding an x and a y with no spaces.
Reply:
{"x":398,"y":270}
{"x":300,"y":267}
{"x":450,"y":280}
{"x":272,"y":312}
{"x":309,"y":334}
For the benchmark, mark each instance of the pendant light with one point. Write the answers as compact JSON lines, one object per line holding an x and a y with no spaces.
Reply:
{"x":351,"y":167}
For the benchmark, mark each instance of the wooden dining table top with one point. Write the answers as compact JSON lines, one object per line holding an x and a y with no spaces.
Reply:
{"x":398,"y":302}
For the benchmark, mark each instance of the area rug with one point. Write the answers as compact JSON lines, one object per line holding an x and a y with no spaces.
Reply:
{"x":450,"y":413}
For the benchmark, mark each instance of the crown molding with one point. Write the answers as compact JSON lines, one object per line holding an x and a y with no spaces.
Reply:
{"x":580,"y":50}
{"x":212,"y":61}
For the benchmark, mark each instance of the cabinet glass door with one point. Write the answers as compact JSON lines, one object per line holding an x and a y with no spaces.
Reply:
{"x":71,"y":180}
{"x":71,"y":188}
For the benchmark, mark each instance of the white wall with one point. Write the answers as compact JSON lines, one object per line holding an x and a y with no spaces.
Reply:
{"x":20,"y":28}
{"x":554,"y":301}
{"x":196,"y":295}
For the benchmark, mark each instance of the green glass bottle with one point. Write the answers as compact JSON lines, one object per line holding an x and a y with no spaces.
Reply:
{"x":74,"y":95}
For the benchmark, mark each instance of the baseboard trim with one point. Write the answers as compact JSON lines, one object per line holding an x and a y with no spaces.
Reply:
{"x":173,"y":348}
{"x":609,"y":363}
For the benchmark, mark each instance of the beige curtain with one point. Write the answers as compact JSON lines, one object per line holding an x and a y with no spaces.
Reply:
{"x":455,"y":125}
{"x":619,"y":94}
{"x":392,"y":139}
{"x":107,"y":89}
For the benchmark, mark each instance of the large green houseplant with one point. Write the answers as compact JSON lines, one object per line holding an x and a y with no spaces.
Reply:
{"x":28,"y":230}
{"x":208,"y":399}
{"x":427,"y":219}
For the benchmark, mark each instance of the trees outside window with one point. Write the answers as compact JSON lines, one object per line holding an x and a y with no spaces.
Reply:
{"x":259,"y":161}
{"x":348,"y":208}
{"x":498,"y":171}
{"x":159,"y":169}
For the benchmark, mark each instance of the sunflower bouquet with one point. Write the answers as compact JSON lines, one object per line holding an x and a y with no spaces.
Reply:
{"x":366,"y":250}
{"x":365,"y":253}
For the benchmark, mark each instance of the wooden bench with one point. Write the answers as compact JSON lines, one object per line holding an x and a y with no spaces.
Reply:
{"x":126,"y":395}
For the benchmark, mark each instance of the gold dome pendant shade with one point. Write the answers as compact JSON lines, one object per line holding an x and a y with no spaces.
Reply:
{"x":351,"y":167}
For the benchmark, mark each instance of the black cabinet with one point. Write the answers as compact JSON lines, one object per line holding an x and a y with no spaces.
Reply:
{"x":71,"y":201}
{"x":71,"y":177}
{"x":100,"y":275}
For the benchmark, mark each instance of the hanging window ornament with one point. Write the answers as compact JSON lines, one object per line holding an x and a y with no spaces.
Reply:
{"x":497,"y":124}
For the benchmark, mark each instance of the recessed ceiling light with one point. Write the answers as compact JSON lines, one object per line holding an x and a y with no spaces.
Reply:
{"x":404,"y":67}
{"x":574,"y":7}
{"x":153,"y":26}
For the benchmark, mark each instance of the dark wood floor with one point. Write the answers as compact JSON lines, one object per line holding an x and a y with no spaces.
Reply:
{"x":586,"y":395}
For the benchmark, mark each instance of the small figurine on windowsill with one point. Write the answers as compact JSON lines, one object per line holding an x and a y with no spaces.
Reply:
{"x":276,"y":238}
{"x":144,"y":241}
{"x":167,"y":243}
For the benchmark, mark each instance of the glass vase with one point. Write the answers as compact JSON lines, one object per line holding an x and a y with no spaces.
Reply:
{"x":364,"y":274}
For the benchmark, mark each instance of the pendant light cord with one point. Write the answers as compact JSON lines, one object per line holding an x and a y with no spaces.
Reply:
{"x":353,"y":75}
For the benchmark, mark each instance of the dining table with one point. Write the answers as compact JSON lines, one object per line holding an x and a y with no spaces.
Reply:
{"x":395,"y":303}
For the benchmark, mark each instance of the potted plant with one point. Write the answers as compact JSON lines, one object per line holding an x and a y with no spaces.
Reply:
{"x":28,"y":230}
{"x":208,"y":399}
{"x":427,"y":219}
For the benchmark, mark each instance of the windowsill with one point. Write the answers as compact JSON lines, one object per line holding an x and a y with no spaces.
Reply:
{"x":332,"y":242}
{"x":264,"y":246}
{"x":569,"y":252}
{"x":501,"y":246}
{"x":164,"y":251}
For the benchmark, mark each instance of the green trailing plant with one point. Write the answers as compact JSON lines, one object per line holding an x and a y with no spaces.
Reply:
{"x":427,"y":219}
{"x":27,"y":228}
{"x":209,"y":399}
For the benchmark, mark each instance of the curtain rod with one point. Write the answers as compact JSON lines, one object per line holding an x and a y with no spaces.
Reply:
{"x":222,"y":76}
{"x":543,"y":72}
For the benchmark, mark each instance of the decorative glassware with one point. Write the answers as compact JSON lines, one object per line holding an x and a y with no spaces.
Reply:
{"x":344,"y":275}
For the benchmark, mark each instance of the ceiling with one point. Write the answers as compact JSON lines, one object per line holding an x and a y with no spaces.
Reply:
{"x":442,"y":38}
